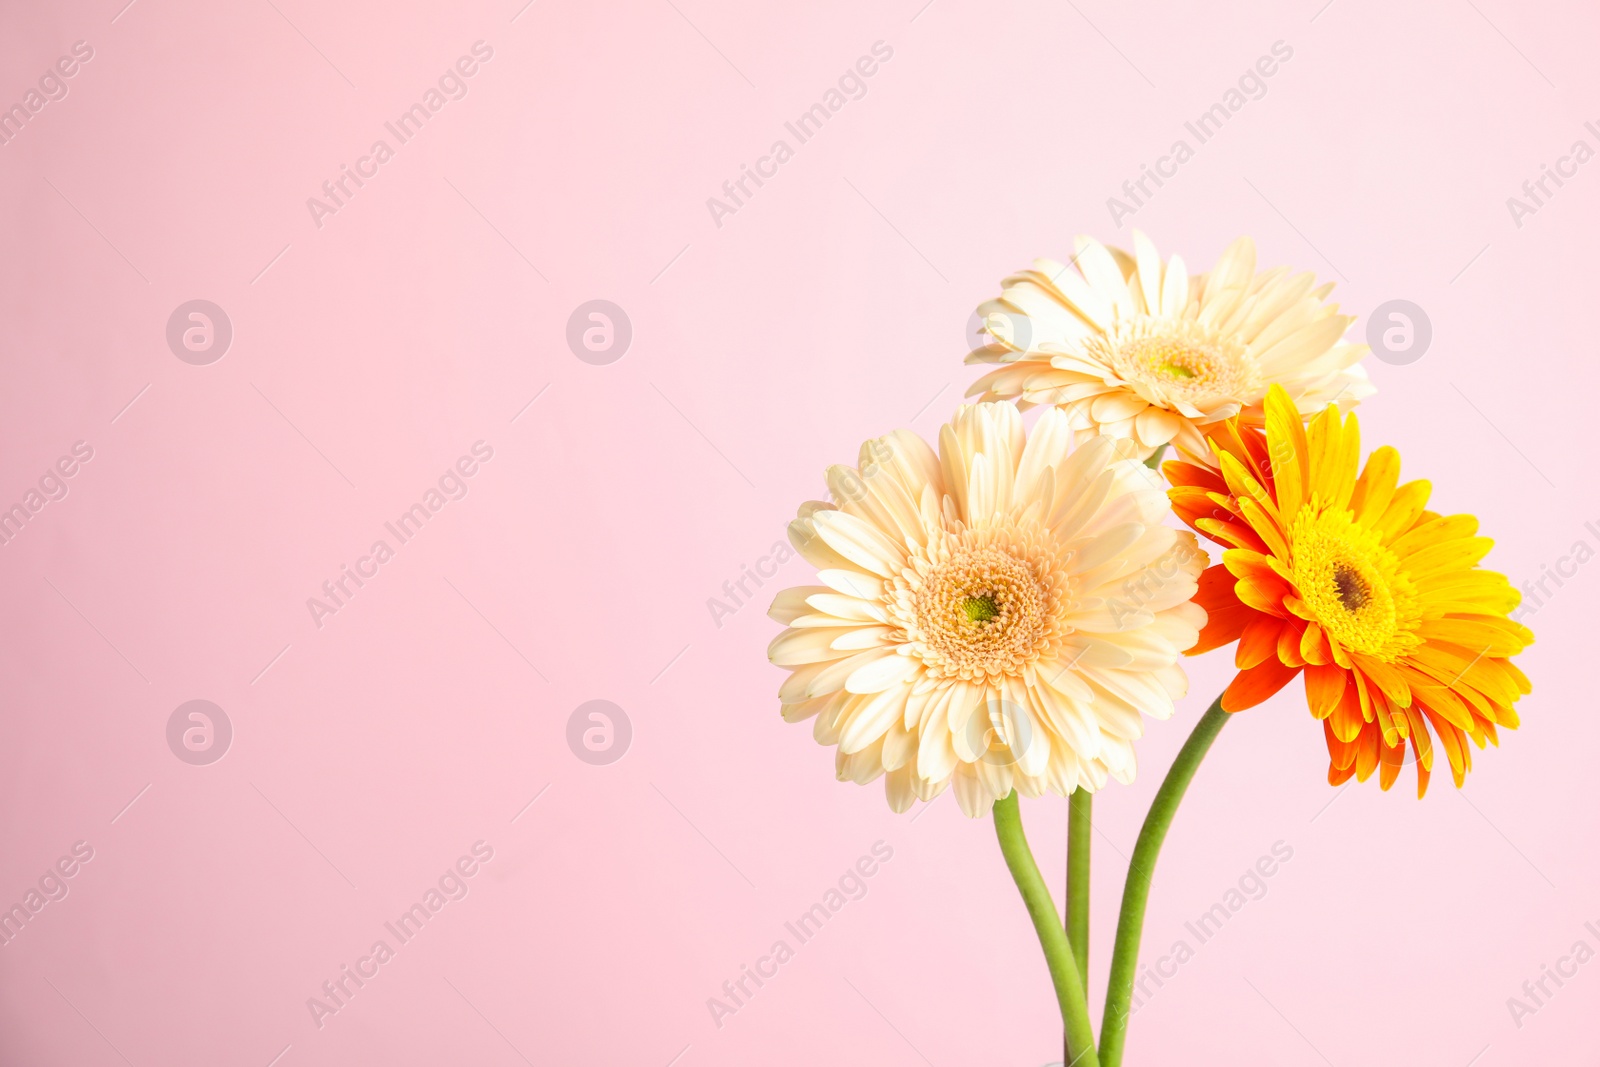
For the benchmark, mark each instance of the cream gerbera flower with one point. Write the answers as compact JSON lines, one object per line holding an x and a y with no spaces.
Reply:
{"x":1136,"y":350}
{"x":996,"y":615}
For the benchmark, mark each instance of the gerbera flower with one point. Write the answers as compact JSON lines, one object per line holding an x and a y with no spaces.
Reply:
{"x":1130,"y":348}
{"x":996,"y":615}
{"x":1352,"y":581}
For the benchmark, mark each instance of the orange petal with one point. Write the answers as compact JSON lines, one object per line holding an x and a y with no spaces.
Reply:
{"x":1364,"y":695}
{"x":1423,"y":774}
{"x":1226,"y":618}
{"x":1263,"y":594}
{"x":1226,"y":438}
{"x":1258,"y":643}
{"x":1181,"y":473}
{"x":1347,"y":720}
{"x":1265,"y":526}
{"x":1289,"y":646}
{"x":1192,"y":497}
{"x":1421,"y":740}
{"x":1387,"y":678}
{"x":1390,"y":760}
{"x":1325,"y":687}
{"x":1248,"y":444}
{"x":1451,"y":738}
{"x":1445,"y":704}
{"x":1234,"y":534}
{"x":1367,"y":746}
{"x":1341,"y":754}
{"x":1258,"y":683}
{"x":1244,"y":563}
{"x":1313,"y":646}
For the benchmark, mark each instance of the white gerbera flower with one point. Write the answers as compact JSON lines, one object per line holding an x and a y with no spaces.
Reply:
{"x":997,"y":615}
{"x":1136,"y":350}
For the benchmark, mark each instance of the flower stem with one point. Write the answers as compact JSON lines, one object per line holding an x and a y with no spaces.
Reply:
{"x":1141,"y":869}
{"x":1079,"y":827}
{"x":1154,"y":462}
{"x":1052,"y":935}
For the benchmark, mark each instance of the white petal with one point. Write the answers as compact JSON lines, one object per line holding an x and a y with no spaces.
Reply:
{"x":1100,"y":270}
{"x":936,"y":756}
{"x":897,"y":785}
{"x":974,"y":799}
{"x":790,"y":604}
{"x":883,"y":673}
{"x":833,"y":676}
{"x":867,"y":637}
{"x":860,"y":542}
{"x":1105,"y":546}
{"x":1174,"y":288}
{"x":996,"y":778}
{"x":899,"y":745}
{"x":871,"y":719}
{"x":846,"y":607}
{"x":852,"y":582}
{"x":1148,"y":275}
{"x":793,"y":648}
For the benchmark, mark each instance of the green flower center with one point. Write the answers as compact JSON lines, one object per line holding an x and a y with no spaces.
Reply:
{"x":980,"y":609}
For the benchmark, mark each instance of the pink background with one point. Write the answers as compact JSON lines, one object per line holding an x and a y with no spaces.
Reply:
{"x":368,"y":354}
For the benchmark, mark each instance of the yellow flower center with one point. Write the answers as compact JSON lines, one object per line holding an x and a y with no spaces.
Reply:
{"x":981,"y":613}
{"x":1351,"y":583}
{"x":1175,"y":362}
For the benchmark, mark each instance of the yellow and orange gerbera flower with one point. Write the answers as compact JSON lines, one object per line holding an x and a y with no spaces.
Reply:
{"x":1350,"y":580}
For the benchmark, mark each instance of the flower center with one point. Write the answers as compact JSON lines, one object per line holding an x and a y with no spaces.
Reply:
{"x":1353,"y":592}
{"x":1351,"y":583}
{"x":980,"y":608}
{"x":983,"y":612}
{"x":1164,"y":357}
{"x":1175,"y":363}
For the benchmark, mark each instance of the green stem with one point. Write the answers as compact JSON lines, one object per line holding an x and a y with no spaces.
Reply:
{"x":1052,"y":935}
{"x":1136,"y":893}
{"x":1079,"y":827}
{"x":1154,"y":462}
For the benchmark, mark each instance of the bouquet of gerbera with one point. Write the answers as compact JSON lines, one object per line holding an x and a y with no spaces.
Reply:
{"x":998,"y":614}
